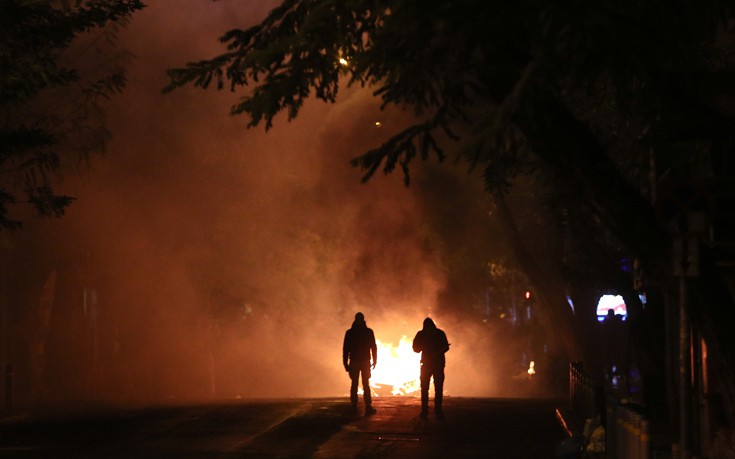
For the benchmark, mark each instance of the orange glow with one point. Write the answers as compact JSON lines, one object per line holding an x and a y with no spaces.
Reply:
{"x":532,"y":368}
{"x":397,"y":370}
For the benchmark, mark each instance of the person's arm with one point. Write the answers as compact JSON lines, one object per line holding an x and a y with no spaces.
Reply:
{"x":417,"y":344}
{"x":445,"y":343}
{"x":374,"y":349}
{"x":345,"y":351}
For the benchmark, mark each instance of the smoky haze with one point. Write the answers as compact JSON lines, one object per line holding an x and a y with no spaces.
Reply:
{"x":220,"y":261}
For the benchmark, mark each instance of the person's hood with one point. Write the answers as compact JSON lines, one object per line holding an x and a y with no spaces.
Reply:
{"x":359,"y":324}
{"x":429,"y":324}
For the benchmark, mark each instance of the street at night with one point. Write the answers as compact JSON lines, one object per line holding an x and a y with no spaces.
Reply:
{"x":318,"y":428}
{"x":228,"y":227}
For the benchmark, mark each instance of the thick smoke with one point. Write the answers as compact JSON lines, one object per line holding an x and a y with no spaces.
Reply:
{"x":204,"y":259}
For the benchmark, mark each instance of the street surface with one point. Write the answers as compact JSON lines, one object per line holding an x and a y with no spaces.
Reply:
{"x":316,"y":428}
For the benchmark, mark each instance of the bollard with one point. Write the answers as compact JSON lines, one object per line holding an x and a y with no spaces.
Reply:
{"x":621,"y":433}
{"x":632,"y":447}
{"x":8,"y":387}
{"x":620,"y":421}
{"x":637,"y":434}
{"x":634,"y":434}
{"x":645,"y":440}
{"x":610,"y":429}
{"x":628,"y":435}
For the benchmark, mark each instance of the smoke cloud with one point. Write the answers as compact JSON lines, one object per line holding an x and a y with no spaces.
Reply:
{"x":203,"y":259}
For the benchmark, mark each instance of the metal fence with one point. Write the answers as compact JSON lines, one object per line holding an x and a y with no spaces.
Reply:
{"x":626,"y":426}
{"x":582,"y":392}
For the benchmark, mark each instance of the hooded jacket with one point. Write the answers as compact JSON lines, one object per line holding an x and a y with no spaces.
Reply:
{"x":432,"y":343}
{"x":359,"y":343}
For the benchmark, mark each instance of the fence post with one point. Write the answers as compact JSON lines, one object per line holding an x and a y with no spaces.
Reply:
{"x":645,"y":440}
{"x":8,"y":387}
{"x":610,"y":428}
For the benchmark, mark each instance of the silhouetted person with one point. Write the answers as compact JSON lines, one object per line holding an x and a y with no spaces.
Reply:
{"x":359,"y":346}
{"x":432,"y":343}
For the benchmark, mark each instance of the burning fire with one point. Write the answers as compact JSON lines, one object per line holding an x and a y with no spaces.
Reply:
{"x":532,"y":368}
{"x":397,"y":370}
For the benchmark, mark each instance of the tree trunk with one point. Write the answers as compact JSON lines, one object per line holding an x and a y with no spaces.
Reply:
{"x":571,"y":151}
{"x":557,"y":316}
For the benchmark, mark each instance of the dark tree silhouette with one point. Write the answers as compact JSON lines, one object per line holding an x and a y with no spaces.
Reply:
{"x":606,"y":100}
{"x":50,"y":110}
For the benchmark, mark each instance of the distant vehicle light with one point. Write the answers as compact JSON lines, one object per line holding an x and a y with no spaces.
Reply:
{"x":611,"y":302}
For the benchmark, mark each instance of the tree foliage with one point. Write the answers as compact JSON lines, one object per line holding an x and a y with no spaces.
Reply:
{"x":49,"y":109}
{"x":607,"y":99}
{"x":460,"y":62}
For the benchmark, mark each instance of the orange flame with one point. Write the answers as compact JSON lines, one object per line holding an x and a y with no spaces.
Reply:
{"x":398,"y":368}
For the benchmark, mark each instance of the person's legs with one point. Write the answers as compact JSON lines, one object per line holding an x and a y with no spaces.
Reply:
{"x":425,"y":380}
{"x":354,"y":375}
{"x":438,"y":391}
{"x":367,"y":395}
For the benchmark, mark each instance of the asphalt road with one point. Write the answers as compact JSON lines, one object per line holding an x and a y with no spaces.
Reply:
{"x":315,"y":428}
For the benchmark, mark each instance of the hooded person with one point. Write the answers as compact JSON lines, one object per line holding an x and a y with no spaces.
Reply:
{"x":357,"y":350}
{"x":432,"y":343}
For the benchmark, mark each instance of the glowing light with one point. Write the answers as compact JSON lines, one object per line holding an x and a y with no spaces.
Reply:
{"x":344,"y":62}
{"x":397,"y":370}
{"x":532,"y":368}
{"x":611,"y":302}
{"x":378,"y":124}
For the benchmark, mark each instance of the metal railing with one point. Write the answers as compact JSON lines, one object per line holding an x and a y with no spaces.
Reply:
{"x":626,"y":426}
{"x":582,"y":392}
